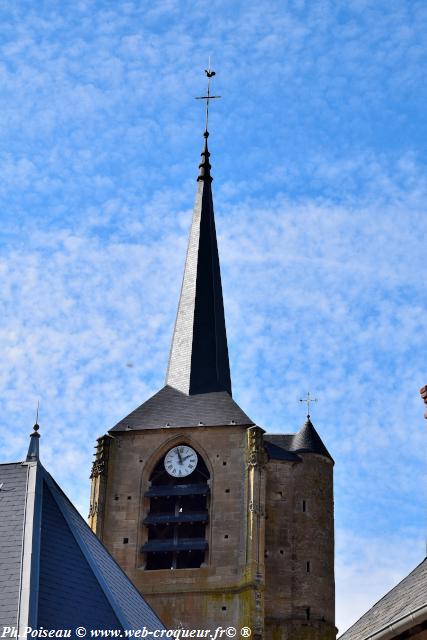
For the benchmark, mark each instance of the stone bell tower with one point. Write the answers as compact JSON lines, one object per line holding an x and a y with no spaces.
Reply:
{"x":216,"y":522}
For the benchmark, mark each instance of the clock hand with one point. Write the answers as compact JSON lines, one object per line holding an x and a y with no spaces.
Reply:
{"x":179,"y":455}
{"x":185,"y":457}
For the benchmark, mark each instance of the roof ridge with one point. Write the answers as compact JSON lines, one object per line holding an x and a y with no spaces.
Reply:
{"x":31,"y":541}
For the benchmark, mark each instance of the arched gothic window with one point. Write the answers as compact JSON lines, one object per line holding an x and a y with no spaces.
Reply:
{"x":178,"y":513}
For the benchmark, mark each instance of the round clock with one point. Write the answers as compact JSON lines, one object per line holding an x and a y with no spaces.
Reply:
{"x":180,"y":461}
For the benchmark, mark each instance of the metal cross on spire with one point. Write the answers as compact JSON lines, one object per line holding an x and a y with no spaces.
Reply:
{"x":308,"y":400}
{"x":210,"y":74}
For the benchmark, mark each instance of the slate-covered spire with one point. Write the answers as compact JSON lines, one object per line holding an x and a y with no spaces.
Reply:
{"x":198,"y":361}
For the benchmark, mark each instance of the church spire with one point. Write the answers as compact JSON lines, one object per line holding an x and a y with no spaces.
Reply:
{"x":198,"y":360}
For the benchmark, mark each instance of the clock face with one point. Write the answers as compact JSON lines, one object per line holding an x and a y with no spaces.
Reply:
{"x":180,"y":461}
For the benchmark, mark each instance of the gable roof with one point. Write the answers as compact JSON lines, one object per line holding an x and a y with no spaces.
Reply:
{"x":173,"y":408}
{"x":54,"y":570}
{"x":402,"y":608}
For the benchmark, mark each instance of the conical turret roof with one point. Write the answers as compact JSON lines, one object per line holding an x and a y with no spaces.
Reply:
{"x":307,"y":440}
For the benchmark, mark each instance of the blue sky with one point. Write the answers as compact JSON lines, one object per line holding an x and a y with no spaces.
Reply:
{"x":318,"y":150}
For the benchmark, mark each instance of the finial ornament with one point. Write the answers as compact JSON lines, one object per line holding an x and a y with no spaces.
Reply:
{"x":308,"y":400}
{"x":33,"y":449}
{"x":210,"y":73}
{"x":36,"y":424}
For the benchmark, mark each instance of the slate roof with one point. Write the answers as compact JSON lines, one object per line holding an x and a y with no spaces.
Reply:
{"x":54,"y":571}
{"x":404,"y":606}
{"x":176,"y":409}
{"x":13,"y":486}
{"x":306,"y":440}
{"x":68,"y":589}
{"x":279,"y":453}
{"x":198,"y":361}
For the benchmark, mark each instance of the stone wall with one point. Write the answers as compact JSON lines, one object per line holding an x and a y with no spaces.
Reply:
{"x":224,"y":590}
{"x":299,"y":549}
{"x":270,"y":563}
